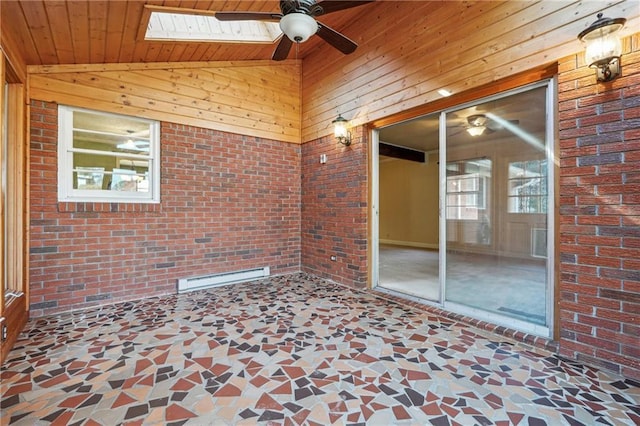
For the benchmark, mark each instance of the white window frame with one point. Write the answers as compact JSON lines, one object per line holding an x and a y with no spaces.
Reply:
{"x":66,"y":192}
{"x":514,"y":199}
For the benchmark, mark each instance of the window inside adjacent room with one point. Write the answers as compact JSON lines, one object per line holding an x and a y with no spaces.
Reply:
{"x":528,"y":186}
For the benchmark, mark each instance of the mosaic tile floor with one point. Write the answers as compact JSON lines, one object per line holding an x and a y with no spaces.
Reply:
{"x":289,"y":351}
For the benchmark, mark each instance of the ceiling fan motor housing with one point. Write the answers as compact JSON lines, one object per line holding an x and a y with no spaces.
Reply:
{"x":308,"y":7}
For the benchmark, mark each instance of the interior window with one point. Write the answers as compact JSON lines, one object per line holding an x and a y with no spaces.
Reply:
{"x":466,"y":188}
{"x":528,"y":186}
{"x":107,"y":157}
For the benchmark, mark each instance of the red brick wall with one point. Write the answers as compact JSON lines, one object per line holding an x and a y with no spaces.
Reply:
{"x":600,"y":214}
{"x":228,"y":202}
{"x":334,"y":209}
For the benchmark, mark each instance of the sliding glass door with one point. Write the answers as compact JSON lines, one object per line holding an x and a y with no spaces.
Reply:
{"x":489,"y":254}
{"x":496,"y":195}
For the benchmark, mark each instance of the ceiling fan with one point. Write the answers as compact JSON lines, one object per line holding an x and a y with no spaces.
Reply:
{"x":298,"y":23}
{"x":479,"y":124}
{"x":131,"y":144}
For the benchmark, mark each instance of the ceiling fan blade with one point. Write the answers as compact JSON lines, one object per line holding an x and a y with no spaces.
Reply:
{"x":336,"y":39}
{"x":330,"y":6}
{"x":282,"y":50}
{"x":247,"y":16}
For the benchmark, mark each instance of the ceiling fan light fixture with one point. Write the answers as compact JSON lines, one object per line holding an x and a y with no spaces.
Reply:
{"x":129,"y":144}
{"x":476,"y":130}
{"x":298,"y":27}
{"x":477,"y":124}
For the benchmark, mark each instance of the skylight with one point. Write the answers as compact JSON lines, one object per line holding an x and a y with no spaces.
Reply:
{"x":199,"y":26}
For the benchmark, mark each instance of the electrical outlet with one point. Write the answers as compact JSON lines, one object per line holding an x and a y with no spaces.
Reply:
{"x":4,"y":332}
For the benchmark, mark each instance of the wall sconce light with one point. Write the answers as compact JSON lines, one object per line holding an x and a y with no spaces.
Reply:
{"x":603,"y":47}
{"x":340,"y":131}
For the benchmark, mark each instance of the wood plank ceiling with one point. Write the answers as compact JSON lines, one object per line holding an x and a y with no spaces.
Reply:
{"x":52,"y":32}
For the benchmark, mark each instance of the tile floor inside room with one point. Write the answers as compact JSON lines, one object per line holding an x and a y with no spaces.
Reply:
{"x":293,"y":350}
{"x":498,"y":284}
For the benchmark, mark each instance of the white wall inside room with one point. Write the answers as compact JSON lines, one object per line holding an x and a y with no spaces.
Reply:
{"x":409,"y":202}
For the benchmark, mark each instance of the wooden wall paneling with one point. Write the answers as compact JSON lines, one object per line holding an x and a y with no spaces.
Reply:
{"x":16,"y":191}
{"x":367,"y":74}
{"x":381,"y":43}
{"x":80,"y":32}
{"x":131,"y":23}
{"x":239,"y":92}
{"x":167,"y":51}
{"x":88,"y":31}
{"x":524,"y":61}
{"x":116,"y":19}
{"x":387,"y":46}
{"x":16,"y":44}
{"x":53,"y":69}
{"x":151,"y":101}
{"x":261,"y":101}
{"x":182,"y":52}
{"x":244,"y":89}
{"x":143,"y":49}
{"x":13,"y":202}
{"x":210,"y":86}
{"x":422,"y":62}
{"x":410,"y":79}
{"x":36,"y":18}
{"x":488,"y":89}
{"x":202,"y":52}
{"x":59,"y":19}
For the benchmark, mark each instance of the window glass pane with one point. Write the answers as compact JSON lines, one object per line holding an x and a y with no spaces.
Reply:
{"x":466,"y":188}
{"x":107,"y":156}
{"x":106,"y":142}
{"x":495,"y":259}
{"x":89,"y":178}
{"x":108,"y":124}
{"x":96,"y":172}
{"x":527,"y":179}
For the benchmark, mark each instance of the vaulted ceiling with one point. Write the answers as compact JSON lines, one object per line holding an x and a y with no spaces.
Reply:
{"x":408,"y":49}
{"x":52,"y":32}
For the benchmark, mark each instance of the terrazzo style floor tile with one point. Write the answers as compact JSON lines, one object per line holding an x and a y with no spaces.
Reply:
{"x":293,"y":350}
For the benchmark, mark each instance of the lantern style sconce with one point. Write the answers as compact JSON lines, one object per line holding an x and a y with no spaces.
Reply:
{"x":340,"y":131}
{"x":603,"y":47}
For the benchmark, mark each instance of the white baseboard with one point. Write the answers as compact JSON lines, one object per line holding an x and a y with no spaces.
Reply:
{"x":409,"y":244}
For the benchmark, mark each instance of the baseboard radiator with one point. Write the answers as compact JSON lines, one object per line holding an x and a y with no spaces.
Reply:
{"x":217,"y":280}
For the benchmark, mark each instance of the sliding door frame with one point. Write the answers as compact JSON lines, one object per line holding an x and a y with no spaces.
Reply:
{"x":550,"y":131}
{"x":542,"y":76}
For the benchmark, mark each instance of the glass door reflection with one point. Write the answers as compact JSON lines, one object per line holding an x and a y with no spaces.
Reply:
{"x":496,"y":206}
